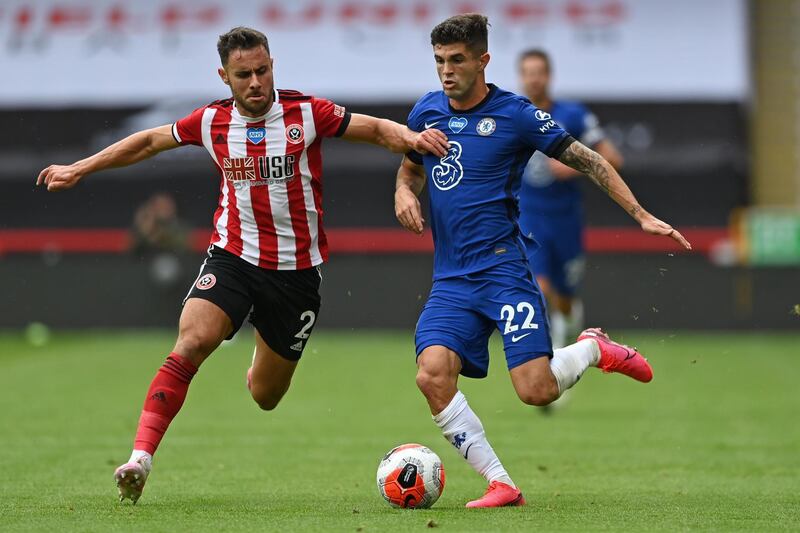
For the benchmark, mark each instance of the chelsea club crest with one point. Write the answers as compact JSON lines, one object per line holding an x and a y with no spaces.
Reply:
{"x":486,"y":126}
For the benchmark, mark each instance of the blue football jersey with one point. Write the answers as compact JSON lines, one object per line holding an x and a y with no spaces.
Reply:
{"x":541,"y":192}
{"x":474,"y":188}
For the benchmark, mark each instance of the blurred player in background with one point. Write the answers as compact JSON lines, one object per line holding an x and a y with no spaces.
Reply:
{"x":158,"y":228}
{"x":550,"y":203}
{"x":268,"y":239}
{"x":481,"y":277}
{"x":162,"y":239}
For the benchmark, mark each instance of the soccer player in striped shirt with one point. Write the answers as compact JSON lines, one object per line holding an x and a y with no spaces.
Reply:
{"x":268,"y":240}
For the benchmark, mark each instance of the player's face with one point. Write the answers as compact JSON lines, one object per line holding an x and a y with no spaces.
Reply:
{"x":249,"y":74}
{"x":459,"y":69}
{"x":534,"y":77}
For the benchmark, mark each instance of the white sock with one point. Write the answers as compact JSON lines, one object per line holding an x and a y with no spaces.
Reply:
{"x":464,"y":430}
{"x":146,"y":459}
{"x":569,"y":363}
{"x":558,"y":329}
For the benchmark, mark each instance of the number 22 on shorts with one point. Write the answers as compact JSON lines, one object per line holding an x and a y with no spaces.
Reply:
{"x":508,"y":313}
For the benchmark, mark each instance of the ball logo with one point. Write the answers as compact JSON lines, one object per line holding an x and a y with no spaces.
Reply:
{"x":542,"y":115}
{"x":295,"y":133}
{"x":457,"y":124}
{"x":408,"y":476}
{"x":448,"y":173}
{"x":206,"y":282}
{"x":486,"y":126}
{"x":256,"y":135}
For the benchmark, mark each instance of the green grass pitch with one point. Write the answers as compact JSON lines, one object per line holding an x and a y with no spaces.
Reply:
{"x":713,"y":443}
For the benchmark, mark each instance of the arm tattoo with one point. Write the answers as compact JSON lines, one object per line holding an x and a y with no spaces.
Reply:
{"x":587,"y":161}
{"x":592,"y":164}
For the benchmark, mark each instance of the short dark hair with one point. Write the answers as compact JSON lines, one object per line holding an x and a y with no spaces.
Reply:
{"x":469,"y":28}
{"x":537,"y":53}
{"x":240,"y":38}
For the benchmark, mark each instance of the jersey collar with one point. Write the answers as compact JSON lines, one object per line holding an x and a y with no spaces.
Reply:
{"x":492,"y":90}
{"x":273,"y":111}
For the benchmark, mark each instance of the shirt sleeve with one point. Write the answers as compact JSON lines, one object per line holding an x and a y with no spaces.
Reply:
{"x":188,"y":129}
{"x":330,"y":120}
{"x":538,"y":130}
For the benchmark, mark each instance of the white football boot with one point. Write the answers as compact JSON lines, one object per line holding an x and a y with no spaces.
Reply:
{"x":131,"y":478}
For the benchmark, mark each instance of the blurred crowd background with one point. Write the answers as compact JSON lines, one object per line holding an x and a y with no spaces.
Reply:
{"x":701,"y":98}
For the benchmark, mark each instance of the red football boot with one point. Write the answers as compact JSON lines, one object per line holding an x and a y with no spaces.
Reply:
{"x":498,"y":494}
{"x":616,"y":357}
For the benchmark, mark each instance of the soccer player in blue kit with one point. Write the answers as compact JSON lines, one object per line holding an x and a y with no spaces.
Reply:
{"x":550,"y":203}
{"x":481,"y":278}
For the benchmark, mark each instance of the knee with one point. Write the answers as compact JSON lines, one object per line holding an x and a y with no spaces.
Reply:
{"x":540,"y":392}
{"x":437,"y":376}
{"x":267,"y":398}
{"x":438,"y":389}
{"x":267,"y":401}
{"x":429,"y":383}
{"x":195,"y":346}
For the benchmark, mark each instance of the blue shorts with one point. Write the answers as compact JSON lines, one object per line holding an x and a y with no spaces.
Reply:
{"x":461,"y":313}
{"x":560,"y":255}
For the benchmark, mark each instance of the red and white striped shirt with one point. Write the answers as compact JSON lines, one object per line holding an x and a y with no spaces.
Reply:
{"x":270,"y":202}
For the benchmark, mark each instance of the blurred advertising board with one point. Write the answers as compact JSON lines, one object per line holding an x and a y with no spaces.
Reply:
{"x":769,"y":236}
{"x":106,"y":52}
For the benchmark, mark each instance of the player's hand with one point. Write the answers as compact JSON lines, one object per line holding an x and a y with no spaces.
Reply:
{"x":431,"y":141}
{"x":408,"y":211}
{"x":560,"y":171}
{"x":59,"y":177}
{"x":654,"y":226}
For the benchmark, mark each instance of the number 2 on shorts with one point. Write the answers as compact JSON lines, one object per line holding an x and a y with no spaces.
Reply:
{"x":311,"y":317}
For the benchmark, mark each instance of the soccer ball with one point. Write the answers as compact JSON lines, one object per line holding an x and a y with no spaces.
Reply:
{"x":411,"y":476}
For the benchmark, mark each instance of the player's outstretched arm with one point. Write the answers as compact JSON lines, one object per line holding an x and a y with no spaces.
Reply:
{"x":394,"y":136}
{"x":603,"y":174}
{"x":130,"y":150}
{"x":610,"y":152}
{"x":409,"y":185}
{"x":605,"y":148}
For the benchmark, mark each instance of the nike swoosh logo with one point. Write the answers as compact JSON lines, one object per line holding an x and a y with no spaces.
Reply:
{"x":432,"y":124}
{"x":466,"y":453}
{"x":514,"y":338}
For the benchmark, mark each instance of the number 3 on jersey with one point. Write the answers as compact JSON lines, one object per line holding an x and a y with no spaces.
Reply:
{"x":508,"y":313}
